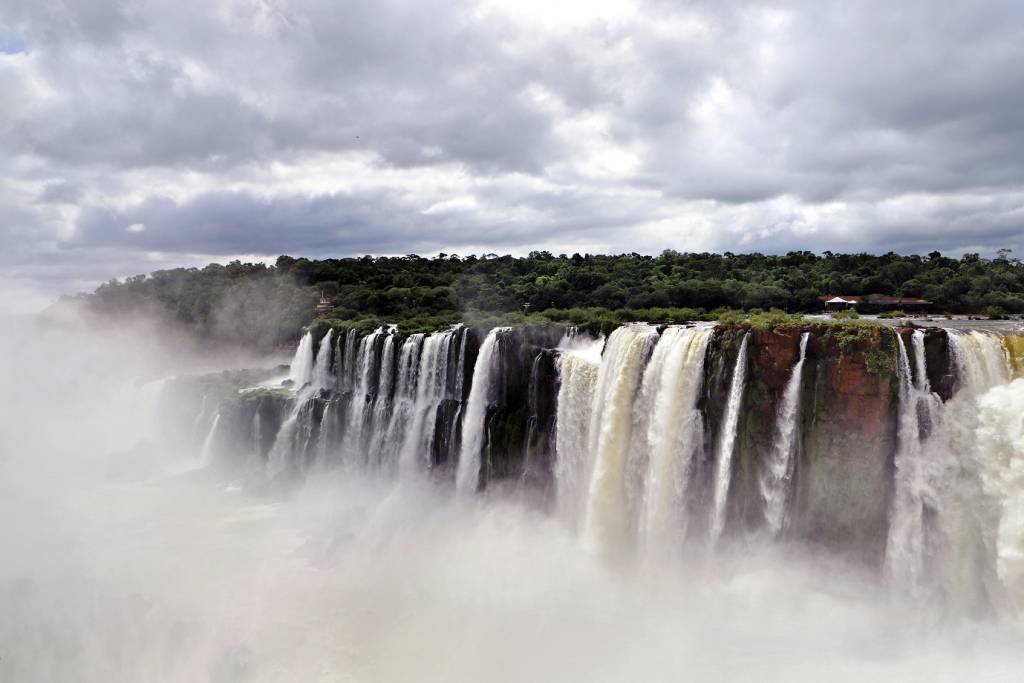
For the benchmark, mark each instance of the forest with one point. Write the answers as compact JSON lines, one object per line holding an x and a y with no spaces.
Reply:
{"x":268,"y":304}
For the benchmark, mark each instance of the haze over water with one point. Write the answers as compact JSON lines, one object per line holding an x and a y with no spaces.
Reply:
{"x":122,"y":559}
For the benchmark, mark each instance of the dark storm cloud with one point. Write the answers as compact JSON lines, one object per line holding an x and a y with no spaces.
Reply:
{"x":717,"y":125}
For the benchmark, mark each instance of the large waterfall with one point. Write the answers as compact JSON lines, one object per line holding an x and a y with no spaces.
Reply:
{"x":658,"y":437}
{"x":608,"y":435}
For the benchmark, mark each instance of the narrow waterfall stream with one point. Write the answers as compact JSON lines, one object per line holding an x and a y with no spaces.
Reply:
{"x":474,"y":423}
{"x":777,"y":472}
{"x":727,"y":441}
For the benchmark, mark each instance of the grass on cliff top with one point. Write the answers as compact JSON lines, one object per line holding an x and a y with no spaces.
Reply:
{"x":595,"y":320}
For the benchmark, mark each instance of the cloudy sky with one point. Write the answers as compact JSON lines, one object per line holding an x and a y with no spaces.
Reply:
{"x":141,"y":135}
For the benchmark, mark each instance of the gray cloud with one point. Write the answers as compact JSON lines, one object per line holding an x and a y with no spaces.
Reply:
{"x":139,"y":133}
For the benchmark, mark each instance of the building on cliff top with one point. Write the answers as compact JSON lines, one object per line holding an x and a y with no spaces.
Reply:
{"x":873,"y":301}
{"x":325,"y":305}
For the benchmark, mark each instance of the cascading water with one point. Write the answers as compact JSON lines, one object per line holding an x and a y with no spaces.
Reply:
{"x":1001,"y":440}
{"x":629,"y":438}
{"x":578,"y":366}
{"x":727,"y":441}
{"x":322,"y":377}
{"x":777,"y":472}
{"x":301,"y":370}
{"x":345,"y":367}
{"x":481,"y":394}
{"x":391,"y":438}
{"x":960,"y":544}
{"x":669,"y":435}
{"x":606,"y":523}
{"x":206,"y":452}
{"x":354,"y":446}
{"x":905,"y":552}
{"x":431,"y":389}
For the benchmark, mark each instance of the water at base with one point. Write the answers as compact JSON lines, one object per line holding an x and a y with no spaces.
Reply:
{"x":154,"y":575}
{"x":359,"y":580}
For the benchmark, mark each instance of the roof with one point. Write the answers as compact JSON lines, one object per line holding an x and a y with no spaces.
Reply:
{"x":875,"y":299}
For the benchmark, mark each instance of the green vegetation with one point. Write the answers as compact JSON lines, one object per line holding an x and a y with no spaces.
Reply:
{"x":845,"y":314}
{"x":269,"y":304}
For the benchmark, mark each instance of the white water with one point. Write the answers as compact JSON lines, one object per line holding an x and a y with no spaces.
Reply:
{"x":205,"y":451}
{"x":669,"y":436}
{"x":392,"y":437}
{"x":1001,"y":439}
{"x":578,"y":367}
{"x":777,"y":474}
{"x":904,"y":555}
{"x":431,"y":389}
{"x":354,"y":446}
{"x":481,"y":394}
{"x":941,"y":547}
{"x":606,"y":523}
{"x":301,"y":369}
{"x":322,"y":376}
{"x":727,"y":441}
{"x":151,"y":576}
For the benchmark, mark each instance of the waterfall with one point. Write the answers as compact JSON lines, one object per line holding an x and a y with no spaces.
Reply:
{"x":345,"y":365}
{"x":1001,"y":435}
{"x":363,"y":394}
{"x":301,"y":369}
{"x":1014,"y":348}
{"x":670,"y":435}
{"x":960,"y":541}
{"x":481,"y":394}
{"x":904,"y":555}
{"x":606,"y":521}
{"x":322,"y":367}
{"x":207,"y":449}
{"x":578,"y":366}
{"x":281,"y":450}
{"x":257,"y":433}
{"x":777,"y":474}
{"x":727,"y":441}
{"x":392,"y":437}
{"x":431,"y":389}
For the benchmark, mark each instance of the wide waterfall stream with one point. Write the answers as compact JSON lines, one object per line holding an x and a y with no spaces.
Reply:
{"x":697,"y":502}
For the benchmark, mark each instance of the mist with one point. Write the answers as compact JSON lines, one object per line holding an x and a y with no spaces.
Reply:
{"x":124,"y":556}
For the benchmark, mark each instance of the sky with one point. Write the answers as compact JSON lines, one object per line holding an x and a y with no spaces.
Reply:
{"x":143,"y":135}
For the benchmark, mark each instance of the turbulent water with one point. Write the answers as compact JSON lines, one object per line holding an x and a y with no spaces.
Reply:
{"x":158,"y":531}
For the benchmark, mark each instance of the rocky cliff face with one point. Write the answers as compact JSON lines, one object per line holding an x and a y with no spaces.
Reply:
{"x":844,"y":473}
{"x":845,"y":439}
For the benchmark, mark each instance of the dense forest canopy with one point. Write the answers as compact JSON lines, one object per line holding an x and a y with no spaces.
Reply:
{"x":269,"y":304}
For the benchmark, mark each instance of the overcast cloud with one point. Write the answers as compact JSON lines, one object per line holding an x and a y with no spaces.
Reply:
{"x":141,"y":135}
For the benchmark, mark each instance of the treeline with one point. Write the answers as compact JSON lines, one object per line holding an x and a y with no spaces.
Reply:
{"x":270,"y":303}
